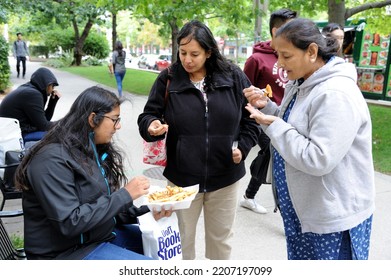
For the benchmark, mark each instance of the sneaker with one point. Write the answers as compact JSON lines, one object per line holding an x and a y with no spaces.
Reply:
{"x":252,"y":205}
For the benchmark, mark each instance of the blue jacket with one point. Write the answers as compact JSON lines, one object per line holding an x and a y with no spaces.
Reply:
{"x":200,"y":137}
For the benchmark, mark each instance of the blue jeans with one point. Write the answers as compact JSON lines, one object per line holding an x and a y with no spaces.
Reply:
{"x":30,"y":139}
{"x":127,"y":245}
{"x":119,"y":76}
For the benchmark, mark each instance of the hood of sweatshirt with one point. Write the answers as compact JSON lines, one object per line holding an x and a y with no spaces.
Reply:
{"x":42,"y":78}
{"x":263,"y":47}
{"x":335,"y":67}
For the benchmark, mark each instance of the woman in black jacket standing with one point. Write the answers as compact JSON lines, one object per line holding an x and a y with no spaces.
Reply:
{"x":209,"y":134}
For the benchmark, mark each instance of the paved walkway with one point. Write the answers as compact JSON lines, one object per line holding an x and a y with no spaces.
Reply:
{"x":257,"y":236}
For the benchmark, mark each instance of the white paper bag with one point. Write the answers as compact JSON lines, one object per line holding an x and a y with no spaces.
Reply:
{"x":161,"y":239}
{"x":10,"y":138}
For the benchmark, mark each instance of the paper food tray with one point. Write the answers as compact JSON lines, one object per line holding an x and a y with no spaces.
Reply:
{"x":176,"y":205}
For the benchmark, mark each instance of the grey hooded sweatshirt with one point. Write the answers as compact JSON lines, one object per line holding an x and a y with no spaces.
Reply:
{"x":327,"y":148}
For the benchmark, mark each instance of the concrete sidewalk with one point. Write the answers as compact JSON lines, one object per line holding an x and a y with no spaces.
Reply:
{"x":257,"y":236}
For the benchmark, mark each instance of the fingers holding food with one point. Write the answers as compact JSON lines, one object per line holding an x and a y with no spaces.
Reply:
{"x":268,"y":91}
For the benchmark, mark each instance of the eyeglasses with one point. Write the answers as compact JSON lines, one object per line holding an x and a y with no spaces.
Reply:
{"x":115,"y":121}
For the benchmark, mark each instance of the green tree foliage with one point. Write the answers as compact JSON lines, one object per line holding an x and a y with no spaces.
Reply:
{"x":340,"y":10}
{"x":79,"y":14}
{"x":4,"y":65}
{"x":170,"y":15}
{"x":95,"y":44}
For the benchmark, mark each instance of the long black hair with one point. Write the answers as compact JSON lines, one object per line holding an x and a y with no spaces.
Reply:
{"x":73,"y":132}
{"x":302,"y":32}
{"x":196,"y":30}
{"x":119,"y":47}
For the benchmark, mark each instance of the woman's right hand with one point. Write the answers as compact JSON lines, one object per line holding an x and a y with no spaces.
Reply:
{"x":255,"y":97}
{"x":138,"y":187}
{"x":156,"y":128}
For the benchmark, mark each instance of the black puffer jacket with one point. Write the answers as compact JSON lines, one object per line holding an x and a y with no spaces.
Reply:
{"x":27,"y":103}
{"x":200,"y":137}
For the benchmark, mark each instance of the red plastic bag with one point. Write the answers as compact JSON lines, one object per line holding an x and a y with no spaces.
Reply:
{"x":155,"y":152}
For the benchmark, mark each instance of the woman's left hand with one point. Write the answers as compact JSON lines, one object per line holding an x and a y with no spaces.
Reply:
{"x":163,"y":213}
{"x":259,"y":117}
{"x":236,"y":155}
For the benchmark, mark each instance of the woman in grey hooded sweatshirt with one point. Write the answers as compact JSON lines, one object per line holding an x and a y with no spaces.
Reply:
{"x":321,"y":139}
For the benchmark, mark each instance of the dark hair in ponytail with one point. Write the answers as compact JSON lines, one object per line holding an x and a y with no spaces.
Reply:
{"x":302,"y":32}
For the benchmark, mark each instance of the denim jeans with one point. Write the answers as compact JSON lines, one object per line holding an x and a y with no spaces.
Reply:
{"x":34,"y":136}
{"x":127,"y":245}
{"x":119,"y":76}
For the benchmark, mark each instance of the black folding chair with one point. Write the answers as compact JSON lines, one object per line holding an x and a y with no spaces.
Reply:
{"x":7,"y":249}
{"x":7,"y":186}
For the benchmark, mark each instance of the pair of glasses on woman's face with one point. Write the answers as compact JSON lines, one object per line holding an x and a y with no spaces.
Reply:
{"x":115,"y":121}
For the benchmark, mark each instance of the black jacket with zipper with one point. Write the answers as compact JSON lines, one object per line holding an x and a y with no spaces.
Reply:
{"x":200,"y":136}
{"x":69,"y":210}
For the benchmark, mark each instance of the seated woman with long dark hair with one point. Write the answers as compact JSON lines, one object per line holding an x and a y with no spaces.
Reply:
{"x":77,"y":201}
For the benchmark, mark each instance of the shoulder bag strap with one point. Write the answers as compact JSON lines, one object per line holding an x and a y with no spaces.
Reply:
{"x":167,"y":84}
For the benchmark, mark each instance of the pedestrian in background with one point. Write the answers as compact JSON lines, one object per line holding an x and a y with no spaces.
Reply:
{"x":21,"y":54}
{"x":335,"y":30}
{"x":261,"y":68}
{"x":209,"y":135}
{"x":118,"y":65}
{"x":321,"y":138}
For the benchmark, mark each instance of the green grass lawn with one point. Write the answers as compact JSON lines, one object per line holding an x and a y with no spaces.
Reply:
{"x":381,"y":134}
{"x":140,"y":82}
{"x":135,"y":81}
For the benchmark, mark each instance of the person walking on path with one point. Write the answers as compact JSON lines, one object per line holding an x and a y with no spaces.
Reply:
{"x":117,"y":66}
{"x":261,"y":68}
{"x":209,"y":135}
{"x":321,"y":138}
{"x":21,"y":54}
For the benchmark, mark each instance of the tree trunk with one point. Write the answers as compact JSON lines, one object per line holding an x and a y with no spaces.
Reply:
{"x":114,"y":30}
{"x":79,"y":40}
{"x":258,"y":21}
{"x":174,"y":36}
{"x":336,"y":11}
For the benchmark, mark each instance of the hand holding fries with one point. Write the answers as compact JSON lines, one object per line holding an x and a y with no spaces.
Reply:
{"x":256,"y":97}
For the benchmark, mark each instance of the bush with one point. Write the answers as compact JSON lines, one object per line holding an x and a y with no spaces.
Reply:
{"x":5,"y":71}
{"x":64,"y":61}
{"x":39,"y":50}
{"x":96,"y":45}
{"x":93,"y":61}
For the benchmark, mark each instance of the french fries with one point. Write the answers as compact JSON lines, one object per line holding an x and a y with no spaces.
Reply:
{"x":268,"y":91}
{"x":170,"y":194}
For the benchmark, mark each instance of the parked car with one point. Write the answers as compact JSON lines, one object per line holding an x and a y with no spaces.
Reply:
{"x":163,"y":61}
{"x":147,"y":61}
